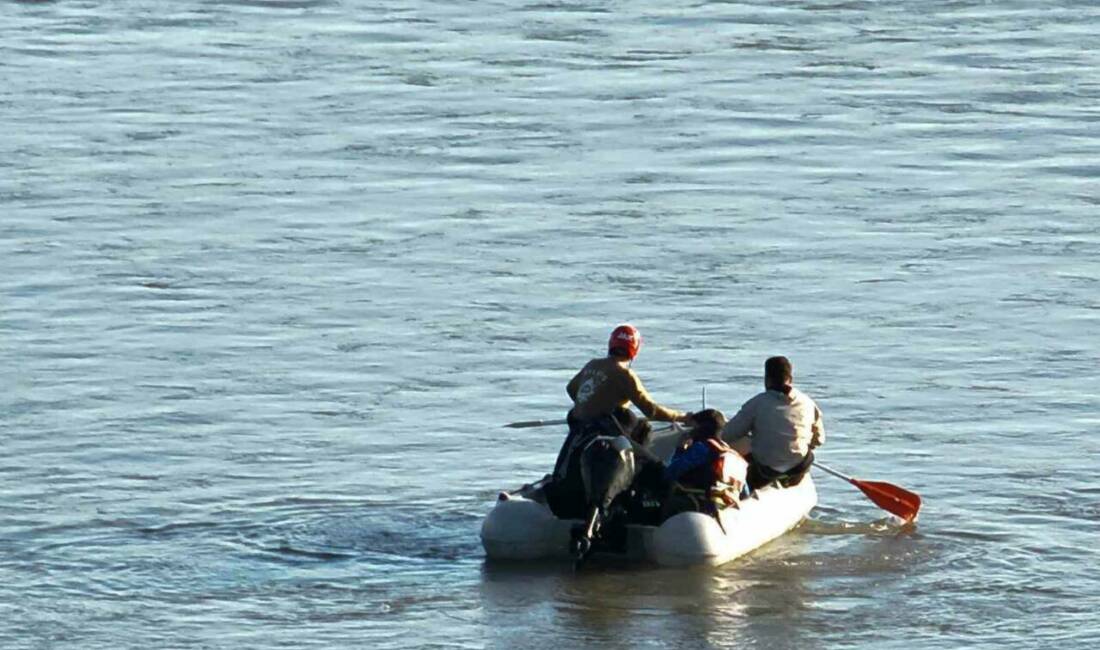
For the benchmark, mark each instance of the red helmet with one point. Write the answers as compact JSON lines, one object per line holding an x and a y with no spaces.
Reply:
{"x":627,"y":339}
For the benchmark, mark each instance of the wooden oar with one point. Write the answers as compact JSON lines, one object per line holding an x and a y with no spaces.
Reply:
{"x":889,"y":497}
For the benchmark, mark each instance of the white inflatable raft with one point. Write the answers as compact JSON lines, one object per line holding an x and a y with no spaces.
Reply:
{"x":521,"y":527}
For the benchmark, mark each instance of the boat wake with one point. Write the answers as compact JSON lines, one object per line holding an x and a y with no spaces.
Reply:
{"x":890,"y":526}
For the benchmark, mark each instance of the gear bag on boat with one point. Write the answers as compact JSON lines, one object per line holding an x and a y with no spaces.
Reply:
{"x":710,"y":486}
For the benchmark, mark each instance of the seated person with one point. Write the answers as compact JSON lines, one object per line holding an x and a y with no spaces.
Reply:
{"x":705,"y":474}
{"x":601,"y":392}
{"x":778,"y":429}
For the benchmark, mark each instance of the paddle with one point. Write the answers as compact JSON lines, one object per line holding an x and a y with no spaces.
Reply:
{"x":527,"y":424}
{"x":534,"y":423}
{"x":889,"y":497}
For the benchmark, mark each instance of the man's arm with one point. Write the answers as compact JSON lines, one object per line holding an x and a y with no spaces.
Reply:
{"x":818,"y":429}
{"x":741,"y":424}
{"x":640,"y":397}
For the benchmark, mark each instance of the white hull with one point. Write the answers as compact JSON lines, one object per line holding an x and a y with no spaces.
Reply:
{"x":519,"y":528}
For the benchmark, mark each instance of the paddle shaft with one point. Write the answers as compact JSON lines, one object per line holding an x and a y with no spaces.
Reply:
{"x":835,"y":473}
{"x":535,"y":423}
{"x":547,"y":423}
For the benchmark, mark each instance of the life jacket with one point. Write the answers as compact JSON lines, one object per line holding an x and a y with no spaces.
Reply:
{"x":719,"y":481}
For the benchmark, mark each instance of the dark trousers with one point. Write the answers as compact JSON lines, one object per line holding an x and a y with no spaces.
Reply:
{"x":565,"y":494}
{"x":760,"y":475}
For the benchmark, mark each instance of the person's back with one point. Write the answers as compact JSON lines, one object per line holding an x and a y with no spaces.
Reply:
{"x":605,"y":385}
{"x":601,"y":393}
{"x":780,"y":427}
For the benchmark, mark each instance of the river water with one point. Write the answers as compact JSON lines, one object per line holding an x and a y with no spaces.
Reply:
{"x":274,"y":272}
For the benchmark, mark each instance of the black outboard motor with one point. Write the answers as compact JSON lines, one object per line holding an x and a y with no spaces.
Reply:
{"x":608,"y":469}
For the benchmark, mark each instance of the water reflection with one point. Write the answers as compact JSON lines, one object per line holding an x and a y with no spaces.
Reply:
{"x":764,"y":596}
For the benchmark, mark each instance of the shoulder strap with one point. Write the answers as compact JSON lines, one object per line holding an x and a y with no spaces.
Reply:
{"x":718,"y":445}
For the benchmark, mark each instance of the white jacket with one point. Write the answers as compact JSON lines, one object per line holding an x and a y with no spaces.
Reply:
{"x":783,"y":427}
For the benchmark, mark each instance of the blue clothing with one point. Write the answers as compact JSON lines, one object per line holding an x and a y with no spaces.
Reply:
{"x":683,"y":461}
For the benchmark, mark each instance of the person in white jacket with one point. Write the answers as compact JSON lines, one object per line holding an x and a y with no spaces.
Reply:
{"x":777,"y":429}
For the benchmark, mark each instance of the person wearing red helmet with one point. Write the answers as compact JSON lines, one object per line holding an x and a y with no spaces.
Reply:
{"x":602,"y":392}
{"x":605,"y":386}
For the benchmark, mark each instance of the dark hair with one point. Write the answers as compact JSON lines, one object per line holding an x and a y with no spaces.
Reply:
{"x":708,"y":423}
{"x":777,"y":373}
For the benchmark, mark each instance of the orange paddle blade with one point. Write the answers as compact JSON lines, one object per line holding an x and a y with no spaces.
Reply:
{"x":891,"y":498}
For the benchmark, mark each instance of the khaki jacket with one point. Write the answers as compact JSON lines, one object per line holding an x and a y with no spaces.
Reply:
{"x":783,"y":428}
{"x":606,"y":384}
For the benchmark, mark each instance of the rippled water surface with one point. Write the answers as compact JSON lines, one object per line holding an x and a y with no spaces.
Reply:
{"x":274,"y":272}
